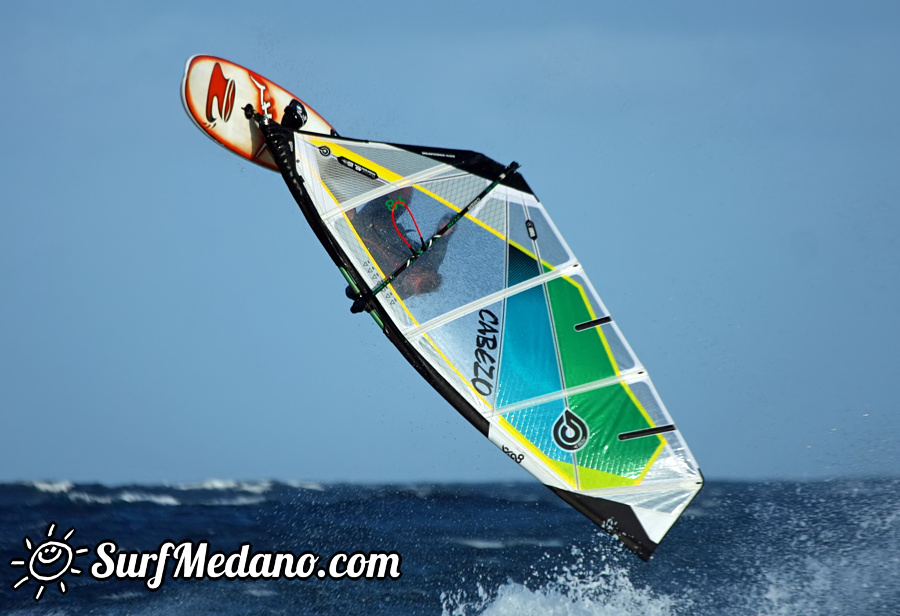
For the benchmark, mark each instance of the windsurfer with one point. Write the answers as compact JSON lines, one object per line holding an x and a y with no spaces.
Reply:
{"x":379,"y":224}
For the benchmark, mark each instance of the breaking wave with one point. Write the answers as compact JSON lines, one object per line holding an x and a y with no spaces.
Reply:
{"x":579,"y":589}
{"x":51,"y":487}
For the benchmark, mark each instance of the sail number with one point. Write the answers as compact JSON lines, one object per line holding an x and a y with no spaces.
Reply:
{"x":485,"y":364}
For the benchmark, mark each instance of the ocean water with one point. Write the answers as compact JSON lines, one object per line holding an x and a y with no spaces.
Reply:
{"x":761,"y":549}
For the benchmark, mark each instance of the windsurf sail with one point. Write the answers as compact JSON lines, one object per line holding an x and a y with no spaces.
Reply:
{"x":462,"y":268}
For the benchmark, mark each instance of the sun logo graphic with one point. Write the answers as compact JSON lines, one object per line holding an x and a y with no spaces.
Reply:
{"x":50,"y":560}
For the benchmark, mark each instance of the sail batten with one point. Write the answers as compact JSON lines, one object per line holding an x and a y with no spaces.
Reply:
{"x":633,"y":375}
{"x":350,"y":204}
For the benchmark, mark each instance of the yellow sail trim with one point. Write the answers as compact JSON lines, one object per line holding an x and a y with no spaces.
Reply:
{"x":592,"y":479}
{"x":339,"y":150}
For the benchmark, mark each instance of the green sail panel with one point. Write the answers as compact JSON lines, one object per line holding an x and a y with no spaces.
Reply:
{"x":606,"y":461}
{"x":585,"y":355}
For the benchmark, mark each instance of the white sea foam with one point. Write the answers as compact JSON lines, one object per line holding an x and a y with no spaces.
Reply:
{"x":848,"y":568}
{"x":482,"y":544}
{"x":260,"y":592}
{"x":124,"y":596}
{"x":53,"y":487}
{"x":55,"y":611}
{"x":84,"y":497}
{"x":494,"y":544}
{"x":587,"y":587}
{"x":123,"y":497}
{"x":419,"y":491}
{"x":238,"y":501}
{"x":306,"y":485}
{"x":847,"y":584}
{"x":254,"y":487}
{"x":574,"y":592}
{"x":143,"y":497}
{"x":209,"y":484}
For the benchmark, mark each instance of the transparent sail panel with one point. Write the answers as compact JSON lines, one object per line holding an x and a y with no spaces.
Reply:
{"x":456,"y":190}
{"x":369,"y":267}
{"x":674,"y":462}
{"x":645,"y":393}
{"x":343,"y":180}
{"x":436,"y":357}
{"x":491,"y":214}
{"x":665,"y":501}
{"x":461,"y":266}
{"x":389,"y":157}
{"x":552,"y":249}
{"x":307,"y":165}
{"x":471,"y":344}
{"x":531,"y":231}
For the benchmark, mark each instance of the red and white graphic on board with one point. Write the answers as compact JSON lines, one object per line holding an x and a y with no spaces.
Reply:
{"x":219,"y":97}
{"x":213,"y":89}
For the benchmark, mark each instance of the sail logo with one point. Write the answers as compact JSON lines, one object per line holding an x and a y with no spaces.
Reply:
{"x":49,"y":562}
{"x":518,"y":458}
{"x":358,"y":168}
{"x":570,"y":432}
{"x":219,"y":96}
{"x":483,"y":368}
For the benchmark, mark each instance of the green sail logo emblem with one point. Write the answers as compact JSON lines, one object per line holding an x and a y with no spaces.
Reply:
{"x":570,"y":432}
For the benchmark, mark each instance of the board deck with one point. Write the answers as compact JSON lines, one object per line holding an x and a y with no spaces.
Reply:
{"x":214,"y":92}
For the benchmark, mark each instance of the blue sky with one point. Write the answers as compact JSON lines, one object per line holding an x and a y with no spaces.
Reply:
{"x":727,"y":175}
